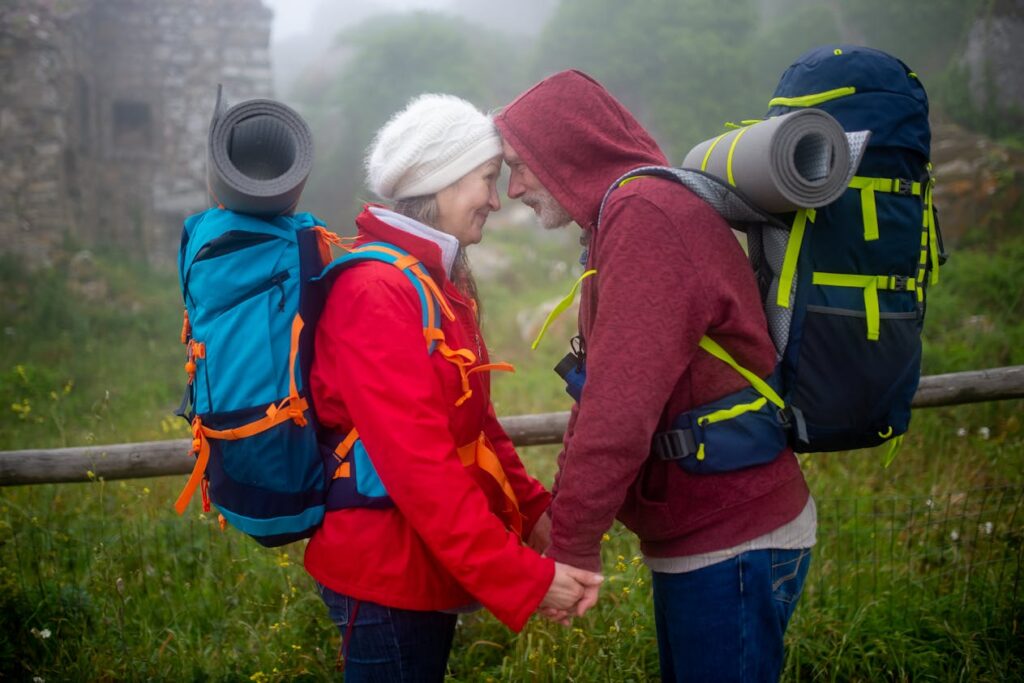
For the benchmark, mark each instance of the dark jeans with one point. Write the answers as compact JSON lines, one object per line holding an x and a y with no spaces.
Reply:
{"x":725,"y":622}
{"x":387,"y":644}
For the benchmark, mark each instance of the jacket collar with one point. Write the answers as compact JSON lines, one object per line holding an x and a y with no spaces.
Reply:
{"x":435,"y":249}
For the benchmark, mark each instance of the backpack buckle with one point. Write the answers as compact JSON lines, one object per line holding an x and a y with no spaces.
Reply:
{"x":900,"y":283}
{"x":673,"y":444}
{"x":904,"y":186}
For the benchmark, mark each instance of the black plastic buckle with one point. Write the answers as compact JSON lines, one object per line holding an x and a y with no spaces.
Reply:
{"x":673,"y":444}
{"x":900,"y":283}
{"x":904,"y":186}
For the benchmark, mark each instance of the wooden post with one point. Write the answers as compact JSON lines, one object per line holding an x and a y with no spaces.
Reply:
{"x":158,"y":458}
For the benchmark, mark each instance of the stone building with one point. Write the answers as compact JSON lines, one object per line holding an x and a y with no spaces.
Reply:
{"x":104,"y":112}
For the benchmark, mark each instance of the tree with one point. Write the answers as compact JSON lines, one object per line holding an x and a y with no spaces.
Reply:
{"x":680,"y":65}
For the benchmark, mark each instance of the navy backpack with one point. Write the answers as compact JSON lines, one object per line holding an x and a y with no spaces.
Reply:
{"x":844,"y":286}
{"x":846,"y":300}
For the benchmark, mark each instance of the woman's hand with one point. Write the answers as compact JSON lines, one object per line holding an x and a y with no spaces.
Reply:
{"x":572,"y":592}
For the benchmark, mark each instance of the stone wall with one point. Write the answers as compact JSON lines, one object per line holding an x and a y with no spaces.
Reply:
{"x":104,"y":112}
{"x":992,"y":58}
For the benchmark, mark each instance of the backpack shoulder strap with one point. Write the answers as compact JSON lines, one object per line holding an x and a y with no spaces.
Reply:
{"x":432,"y":303}
{"x":730,"y":203}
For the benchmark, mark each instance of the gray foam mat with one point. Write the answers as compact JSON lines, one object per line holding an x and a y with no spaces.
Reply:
{"x":803,"y":159}
{"x":260,"y":153}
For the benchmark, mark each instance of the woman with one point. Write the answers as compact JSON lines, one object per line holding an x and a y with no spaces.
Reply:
{"x":394,"y":578}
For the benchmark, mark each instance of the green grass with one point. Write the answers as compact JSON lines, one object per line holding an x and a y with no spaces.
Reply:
{"x":917,"y":575}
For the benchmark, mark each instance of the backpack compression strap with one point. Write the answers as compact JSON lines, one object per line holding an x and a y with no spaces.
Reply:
{"x":293,"y":407}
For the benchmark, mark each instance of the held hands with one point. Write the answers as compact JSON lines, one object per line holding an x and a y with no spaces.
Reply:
{"x":572,"y":592}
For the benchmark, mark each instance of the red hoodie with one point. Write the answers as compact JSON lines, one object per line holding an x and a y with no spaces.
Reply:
{"x":442,"y":545}
{"x":669,"y":271}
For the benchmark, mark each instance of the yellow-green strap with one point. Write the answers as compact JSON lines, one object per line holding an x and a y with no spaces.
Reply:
{"x":870,"y":284}
{"x":929,"y":220}
{"x":742,"y":124}
{"x":890,"y":185}
{"x":732,"y":150}
{"x":868,"y":187}
{"x":561,"y":306}
{"x":730,"y":413}
{"x":762,"y":387}
{"x":711,"y":148}
{"x":894,"y":448}
{"x":813,"y":99}
{"x":789,"y":262}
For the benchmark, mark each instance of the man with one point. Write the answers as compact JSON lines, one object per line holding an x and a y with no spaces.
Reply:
{"x":728,"y":552}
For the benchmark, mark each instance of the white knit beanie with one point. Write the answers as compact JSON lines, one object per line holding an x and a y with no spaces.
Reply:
{"x":429,"y":145}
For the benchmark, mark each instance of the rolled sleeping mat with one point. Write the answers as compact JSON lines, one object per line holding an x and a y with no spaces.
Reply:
{"x":803,"y":159}
{"x":260,"y":155}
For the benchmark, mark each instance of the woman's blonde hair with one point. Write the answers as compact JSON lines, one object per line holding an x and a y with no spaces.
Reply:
{"x":425,"y":210}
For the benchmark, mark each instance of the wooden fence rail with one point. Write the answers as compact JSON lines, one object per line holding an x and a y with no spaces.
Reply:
{"x":158,"y":458}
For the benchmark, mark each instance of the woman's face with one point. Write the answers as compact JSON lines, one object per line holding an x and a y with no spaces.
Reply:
{"x":463,"y":206}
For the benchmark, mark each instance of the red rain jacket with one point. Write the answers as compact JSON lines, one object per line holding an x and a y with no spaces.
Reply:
{"x":668,"y":272}
{"x":441,"y":547}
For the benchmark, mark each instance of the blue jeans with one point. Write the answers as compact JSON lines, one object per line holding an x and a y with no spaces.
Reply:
{"x":725,"y":622}
{"x":384,"y":644}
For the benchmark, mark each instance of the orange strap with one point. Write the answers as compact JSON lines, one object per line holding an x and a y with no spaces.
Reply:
{"x":431,"y":286}
{"x":202,"y":451}
{"x":481,"y":454}
{"x":493,"y":367}
{"x":461,"y":358}
{"x":325,"y":239}
{"x":341,"y":452}
{"x":185,"y":328}
{"x":293,"y":407}
{"x":276,"y":414}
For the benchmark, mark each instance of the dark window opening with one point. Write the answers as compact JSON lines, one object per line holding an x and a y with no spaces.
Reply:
{"x":133,"y":125}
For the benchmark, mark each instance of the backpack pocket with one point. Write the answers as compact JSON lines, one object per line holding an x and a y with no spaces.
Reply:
{"x":249,"y":374}
{"x":271,"y":484}
{"x":850,"y":391}
{"x":743,"y":429}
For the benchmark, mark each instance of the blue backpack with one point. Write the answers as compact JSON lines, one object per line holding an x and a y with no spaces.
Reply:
{"x":253,"y":290}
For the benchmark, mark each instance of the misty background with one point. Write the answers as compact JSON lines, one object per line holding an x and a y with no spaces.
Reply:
{"x":684,"y":67}
{"x":105,"y":104}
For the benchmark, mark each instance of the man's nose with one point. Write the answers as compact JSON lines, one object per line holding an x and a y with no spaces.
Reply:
{"x":515,"y":186}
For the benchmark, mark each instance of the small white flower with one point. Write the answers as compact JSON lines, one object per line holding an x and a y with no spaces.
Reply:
{"x":984,"y":432}
{"x":961,"y":431}
{"x":987,"y":527}
{"x":928,"y":503}
{"x":954,"y":535}
{"x":38,"y":679}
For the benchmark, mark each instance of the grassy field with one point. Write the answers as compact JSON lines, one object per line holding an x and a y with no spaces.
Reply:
{"x":917,"y":574}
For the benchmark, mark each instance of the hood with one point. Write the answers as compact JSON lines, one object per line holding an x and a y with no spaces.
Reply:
{"x":577,"y":139}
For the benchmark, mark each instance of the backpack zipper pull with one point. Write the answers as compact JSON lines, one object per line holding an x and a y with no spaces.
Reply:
{"x":278,"y":280}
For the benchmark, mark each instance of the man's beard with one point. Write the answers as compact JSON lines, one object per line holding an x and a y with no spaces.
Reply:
{"x":550,"y":214}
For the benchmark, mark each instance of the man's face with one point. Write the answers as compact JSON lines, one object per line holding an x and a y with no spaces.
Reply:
{"x":524,"y":185}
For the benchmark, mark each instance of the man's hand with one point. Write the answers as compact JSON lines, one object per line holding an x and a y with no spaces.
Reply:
{"x":540,"y":537}
{"x":572,"y":592}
